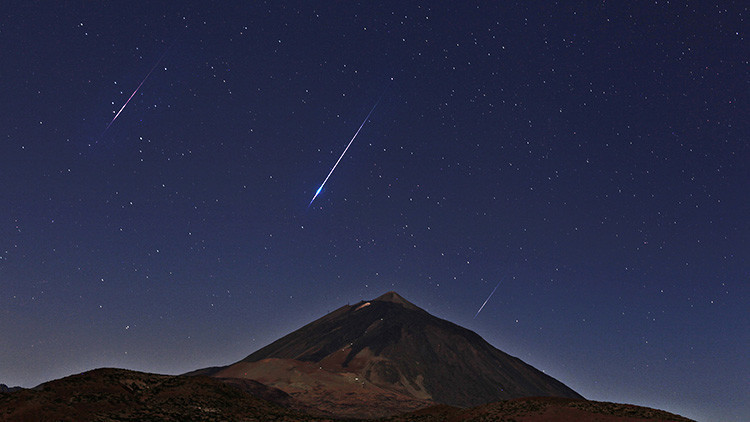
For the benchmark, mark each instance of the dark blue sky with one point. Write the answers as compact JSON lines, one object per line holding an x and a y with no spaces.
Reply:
{"x":593,"y":157}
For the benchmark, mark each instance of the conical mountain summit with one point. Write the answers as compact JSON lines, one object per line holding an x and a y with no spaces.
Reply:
{"x":397,"y":351}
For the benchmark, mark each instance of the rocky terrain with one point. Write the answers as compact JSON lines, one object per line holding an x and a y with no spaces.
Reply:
{"x":540,"y":409}
{"x":122,"y":395}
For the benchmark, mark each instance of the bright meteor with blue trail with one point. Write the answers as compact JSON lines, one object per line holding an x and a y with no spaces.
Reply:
{"x":320,"y":189}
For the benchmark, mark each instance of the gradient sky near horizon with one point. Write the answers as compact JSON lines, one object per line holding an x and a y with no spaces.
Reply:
{"x":592,"y":157}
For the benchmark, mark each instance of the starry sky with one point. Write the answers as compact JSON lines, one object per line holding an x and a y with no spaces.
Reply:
{"x":590,"y":157}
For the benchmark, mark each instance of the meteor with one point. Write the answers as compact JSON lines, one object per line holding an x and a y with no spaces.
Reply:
{"x":320,"y":189}
{"x":488,"y":299}
{"x":134,"y":92}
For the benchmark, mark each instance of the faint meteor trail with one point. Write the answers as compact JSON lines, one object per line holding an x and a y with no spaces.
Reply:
{"x":136,"y":90}
{"x":317,"y":192}
{"x":488,"y":299}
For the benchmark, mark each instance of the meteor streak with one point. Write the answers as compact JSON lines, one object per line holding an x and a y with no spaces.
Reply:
{"x":488,"y":299}
{"x":136,"y":90}
{"x":320,"y":189}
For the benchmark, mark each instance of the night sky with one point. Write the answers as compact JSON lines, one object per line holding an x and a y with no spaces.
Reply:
{"x":591,"y":157}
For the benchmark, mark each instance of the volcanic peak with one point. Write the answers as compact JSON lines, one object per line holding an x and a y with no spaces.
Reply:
{"x":393,"y":297}
{"x":392,"y":345}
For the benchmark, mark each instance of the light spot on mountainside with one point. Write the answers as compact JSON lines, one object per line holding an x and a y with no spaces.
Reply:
{"x":362,"y":306}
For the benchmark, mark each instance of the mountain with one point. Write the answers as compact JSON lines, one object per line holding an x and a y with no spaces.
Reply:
{"x":388,"y":356}
{"x":384,"y":358}
{"x":120,"y":395}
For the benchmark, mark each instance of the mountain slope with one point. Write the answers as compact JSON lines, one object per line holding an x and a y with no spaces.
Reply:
{"x":540,"y":409}
{"x":394,"y":345}
{"x":123,"y":395}
{"x":118,"y":394}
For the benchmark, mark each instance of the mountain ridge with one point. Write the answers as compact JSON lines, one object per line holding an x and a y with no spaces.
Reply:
{"x":390,"y":344}
{"x":110,"y":394}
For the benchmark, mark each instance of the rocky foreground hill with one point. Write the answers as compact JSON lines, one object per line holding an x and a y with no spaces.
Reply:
{"x":123,"y":395}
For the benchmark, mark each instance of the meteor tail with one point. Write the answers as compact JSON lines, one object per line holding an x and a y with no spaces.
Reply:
{"x":343,"y":153}
{"x":488,"y":299}
{"x":136,"y":90}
